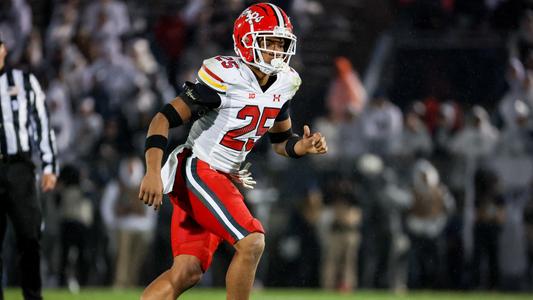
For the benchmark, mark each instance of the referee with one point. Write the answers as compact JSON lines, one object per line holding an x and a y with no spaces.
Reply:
{"x":24,"y":125}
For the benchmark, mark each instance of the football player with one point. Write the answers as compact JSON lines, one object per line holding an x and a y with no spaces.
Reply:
{"x":234,"y":102}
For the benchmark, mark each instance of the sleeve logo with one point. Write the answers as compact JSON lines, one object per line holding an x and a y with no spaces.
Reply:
{"x":190,"y":94}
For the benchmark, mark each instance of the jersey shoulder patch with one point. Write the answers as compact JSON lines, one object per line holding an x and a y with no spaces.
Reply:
{"x":219,"y":72}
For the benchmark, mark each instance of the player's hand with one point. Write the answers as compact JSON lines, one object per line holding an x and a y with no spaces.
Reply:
{"x":313,"y":143}
{"x":48,"y":182}
{"x":244,"y":177}
{"x":151,"y":191}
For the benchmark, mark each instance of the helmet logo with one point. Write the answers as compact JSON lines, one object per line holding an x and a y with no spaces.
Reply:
{"x":252,"y":16}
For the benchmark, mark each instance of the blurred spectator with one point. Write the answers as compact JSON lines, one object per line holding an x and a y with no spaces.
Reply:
{"x":517,"y":140}
{"x":15,"y":27}
{"x":521,"y":44}
{"x":170,"y":33}
{"x":449,"y":122}
{"x":397,"y":198}
{"x":520,"y":89}
{"x":478,"y":139}
{"x":302,"y":12}
{"x":426,"y":220}
{"x":345,"y":100}
{"x":470,"y":146}
{"x":89,"y":125}
{"x":69,"y":63}
{"x":32,"y":57}
{"x":488,"y":220}
{"x":76,"y":215}
{"x":414,"y":142}
{"x":346,"y":95}
{"x":113,"y":78}
{"x":373,"y":180}
{"x":300,"y":245}
{"x":63,"y":25}
{"x":382,"y":125}
{"x":129,"y":220}
{"x":61,"y":121}
{"x":105,"y":19}
{"x":153,"y":87}
{"x":114,"y":142}
{"x":341,"y":244}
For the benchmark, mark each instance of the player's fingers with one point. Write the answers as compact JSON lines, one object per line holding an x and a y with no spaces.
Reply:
{"x":141,"y":195}
{"x":323,"y":142}
{"x":324,"y":145}
{"x":307,"y":131}
{"x":157,"y":202}
{"x":316,"y":139}
{"x":319,"y":141}
{"x":146,"y":198}
{"x":153,"y":199}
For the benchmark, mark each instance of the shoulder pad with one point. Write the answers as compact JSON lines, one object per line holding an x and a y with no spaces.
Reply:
{"x":293,"y":81}
{"x":219,"y":72}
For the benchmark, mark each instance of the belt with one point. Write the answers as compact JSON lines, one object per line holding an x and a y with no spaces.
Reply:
{"x":22,"y":156}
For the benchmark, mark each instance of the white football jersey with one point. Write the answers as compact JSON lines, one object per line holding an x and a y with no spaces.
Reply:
{"x":224,"y":136}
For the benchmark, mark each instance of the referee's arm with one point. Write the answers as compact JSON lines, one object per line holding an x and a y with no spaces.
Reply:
{"x":45,"y":136}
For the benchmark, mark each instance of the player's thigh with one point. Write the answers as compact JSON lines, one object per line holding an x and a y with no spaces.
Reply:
{"x":191,"y":239}
{"x":217,"y":204}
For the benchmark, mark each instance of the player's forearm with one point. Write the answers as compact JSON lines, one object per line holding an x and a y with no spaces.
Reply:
{"x":158,"y":126}
{"x":279,"y":148}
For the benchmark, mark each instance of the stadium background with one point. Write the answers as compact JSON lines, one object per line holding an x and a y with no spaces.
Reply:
{"x":426,"y":106}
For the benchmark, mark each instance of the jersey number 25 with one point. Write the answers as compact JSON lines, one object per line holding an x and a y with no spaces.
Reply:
{"x":257,"y":122}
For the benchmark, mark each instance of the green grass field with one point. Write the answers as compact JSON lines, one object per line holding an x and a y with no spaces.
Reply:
{"x":270,"y":294}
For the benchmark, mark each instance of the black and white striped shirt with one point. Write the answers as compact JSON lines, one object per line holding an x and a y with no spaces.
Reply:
{"x":24,"y":120}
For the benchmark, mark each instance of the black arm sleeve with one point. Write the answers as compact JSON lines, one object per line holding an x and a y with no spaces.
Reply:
{"x":174,"y":119}
{"x":279,"y":137}
{"x":284,"y":113}
{"x":199,"y":98}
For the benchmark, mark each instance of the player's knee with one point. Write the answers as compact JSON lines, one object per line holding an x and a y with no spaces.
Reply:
{"x":185,"y":276}
{"x":192,"y":277}
{"x":252,"y":245}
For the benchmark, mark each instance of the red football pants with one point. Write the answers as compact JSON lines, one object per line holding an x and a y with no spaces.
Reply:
{"x":207,"y":209}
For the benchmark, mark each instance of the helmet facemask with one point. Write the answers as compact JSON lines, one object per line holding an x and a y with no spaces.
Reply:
{"x":258,"y":45}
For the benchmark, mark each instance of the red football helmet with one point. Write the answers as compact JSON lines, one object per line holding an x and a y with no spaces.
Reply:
{"x":263,"y":20}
